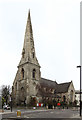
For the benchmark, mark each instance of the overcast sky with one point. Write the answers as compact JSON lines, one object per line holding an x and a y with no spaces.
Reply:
{"x":56,"y":31}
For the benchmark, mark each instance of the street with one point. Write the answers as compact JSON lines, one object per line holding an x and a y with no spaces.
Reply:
{"x":44,"y":113}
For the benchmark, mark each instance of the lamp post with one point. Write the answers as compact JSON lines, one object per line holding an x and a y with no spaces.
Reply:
{"x":80,"y":88}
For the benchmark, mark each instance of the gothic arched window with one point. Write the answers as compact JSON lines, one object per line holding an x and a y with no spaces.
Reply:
{"x":33,"y":73}
{"x":64,"y":98}
{"x":22,"y":89}
{"x":33,"y":54}
{"x":22,"y":73}
{"x":22,"y":94}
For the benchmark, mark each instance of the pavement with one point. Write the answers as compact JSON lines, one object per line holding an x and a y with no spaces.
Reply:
{"x":2,"y":111}
{"x":23,"y":110}
{"x":42,"y":110}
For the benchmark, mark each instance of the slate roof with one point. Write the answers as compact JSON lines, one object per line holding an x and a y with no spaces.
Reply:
{"x":45,"y":83}
{"x":59,"y":88}
{"x":48,"y":83}
{"x":62,"y":88}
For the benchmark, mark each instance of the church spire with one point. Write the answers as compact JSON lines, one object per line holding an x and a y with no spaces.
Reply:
{"x":29,"y":31}
{"x":28,"y":40}
{"x":28,"y":52}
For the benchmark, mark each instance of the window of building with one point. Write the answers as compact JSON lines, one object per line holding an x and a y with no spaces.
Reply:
{"x":22,"y":73}
{"x":23,"y":53}
{"x":22,"y":89}
{"x":34,"y":73}
{"x":64,"y":98}
{"x":33,"y":54}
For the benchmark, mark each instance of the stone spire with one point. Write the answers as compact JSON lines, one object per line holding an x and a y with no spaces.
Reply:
{"x":28,"y":52}
{"x":29,"y":31}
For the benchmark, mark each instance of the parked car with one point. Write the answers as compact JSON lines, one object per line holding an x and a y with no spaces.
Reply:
{"x":6,"y":107}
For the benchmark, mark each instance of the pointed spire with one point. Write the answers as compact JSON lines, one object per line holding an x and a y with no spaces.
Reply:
{"x":28,"y":51}
{"x":28,"y":40}
{"x":29,"y":15}
{"x":29,"y":31}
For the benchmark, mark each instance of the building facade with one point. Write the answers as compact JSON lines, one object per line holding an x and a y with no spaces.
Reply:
{"x":77,"y":96}
{"x":28,"y":82}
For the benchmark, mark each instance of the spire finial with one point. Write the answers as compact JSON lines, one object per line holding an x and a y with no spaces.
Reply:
{"x":29,"y":14}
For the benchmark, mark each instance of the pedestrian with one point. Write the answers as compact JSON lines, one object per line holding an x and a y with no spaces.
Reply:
{"x":58,"y":104}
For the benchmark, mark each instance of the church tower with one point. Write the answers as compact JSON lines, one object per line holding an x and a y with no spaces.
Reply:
{"x":28,"y":74}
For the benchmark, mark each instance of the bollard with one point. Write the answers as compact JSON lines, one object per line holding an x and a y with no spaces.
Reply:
{"x":47,"y":106}
{"x":18,"y":113}
{"x":53,"y":107}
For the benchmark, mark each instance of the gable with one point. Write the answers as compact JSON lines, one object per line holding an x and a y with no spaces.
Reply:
{"x":62,"y":88}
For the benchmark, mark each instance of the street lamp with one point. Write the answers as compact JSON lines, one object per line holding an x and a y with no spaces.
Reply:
{"x":80,"y":88}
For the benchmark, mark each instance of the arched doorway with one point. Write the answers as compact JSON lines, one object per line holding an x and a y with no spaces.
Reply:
{"x":22,"y":96}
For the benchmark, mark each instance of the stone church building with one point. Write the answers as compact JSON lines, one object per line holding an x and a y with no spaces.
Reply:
{"x":28,"y":81}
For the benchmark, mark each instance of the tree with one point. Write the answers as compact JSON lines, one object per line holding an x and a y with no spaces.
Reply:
{"x":54,"y":102}
{"x":5,"y":92}
{"x":3,"y":101}
{"x":33,"y":101}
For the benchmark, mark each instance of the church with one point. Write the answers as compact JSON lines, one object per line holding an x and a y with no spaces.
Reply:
{"x":28,"y":82}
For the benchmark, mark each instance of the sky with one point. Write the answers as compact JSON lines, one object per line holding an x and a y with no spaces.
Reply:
{"x":56,"y":31}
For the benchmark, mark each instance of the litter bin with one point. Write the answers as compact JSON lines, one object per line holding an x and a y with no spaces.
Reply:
{"x":18,"y":113}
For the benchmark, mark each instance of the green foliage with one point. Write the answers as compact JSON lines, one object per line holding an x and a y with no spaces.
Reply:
{"x":62,"y":103}
{"x":54,"y":102}
{"x":5,"y":93}
{"x":33,"y":102}
{"x":3,"y":101}
{"x":49,"y":102}
{"x":70,"y":104}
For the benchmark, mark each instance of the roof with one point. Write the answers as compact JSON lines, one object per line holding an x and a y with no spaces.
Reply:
{"x":45,"y":83}
{"x":48,"y":83}
{"x":46,"y":94}
{"x":59,"y":88}
{"x":62,"y":88}
{"x":77,"y":92}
